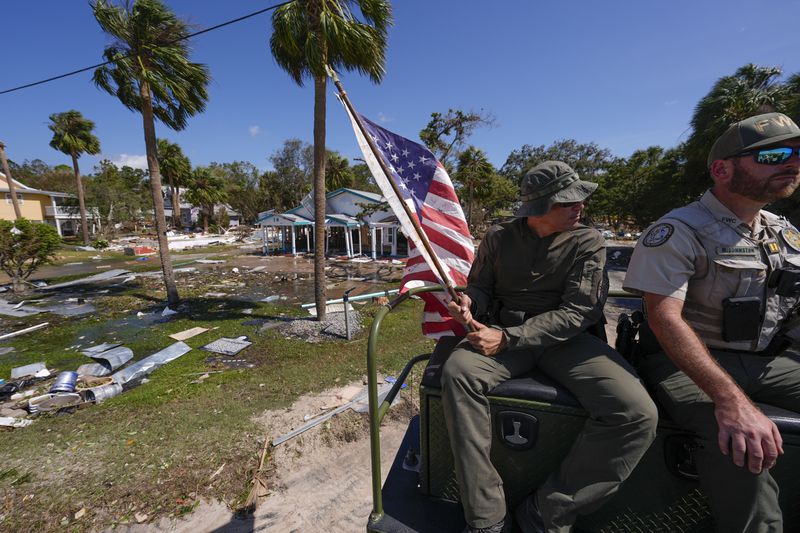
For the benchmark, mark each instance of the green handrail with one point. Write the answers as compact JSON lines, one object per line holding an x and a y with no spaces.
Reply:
{"x":377,"y":412}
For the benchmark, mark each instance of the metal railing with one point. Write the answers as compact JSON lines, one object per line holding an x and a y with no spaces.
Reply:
{"x":68,"y":211}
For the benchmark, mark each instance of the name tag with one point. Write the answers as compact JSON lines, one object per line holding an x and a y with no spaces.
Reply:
{"x":738,"y":250}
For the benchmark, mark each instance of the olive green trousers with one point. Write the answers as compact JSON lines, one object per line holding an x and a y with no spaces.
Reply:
{"x":621,"y":426}
{"x":740,"y":501}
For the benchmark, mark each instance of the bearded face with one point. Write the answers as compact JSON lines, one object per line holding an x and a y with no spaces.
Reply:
{"x":764,"y":183}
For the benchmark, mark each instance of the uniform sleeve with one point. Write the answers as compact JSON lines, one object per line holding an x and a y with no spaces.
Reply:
{"x":481,"y":281}
{"x":663,"y":260}
{"x":581,"y":304}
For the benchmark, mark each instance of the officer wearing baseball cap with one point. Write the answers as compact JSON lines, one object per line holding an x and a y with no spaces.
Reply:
{"x":721,"y":285}
{"x":536,"y":286}
{"x":755,"y":132}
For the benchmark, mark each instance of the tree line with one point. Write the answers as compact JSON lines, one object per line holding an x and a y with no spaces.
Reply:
{"x":635,"y":190}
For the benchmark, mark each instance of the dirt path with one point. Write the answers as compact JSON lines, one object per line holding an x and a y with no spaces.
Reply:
{"x":319,"y":480}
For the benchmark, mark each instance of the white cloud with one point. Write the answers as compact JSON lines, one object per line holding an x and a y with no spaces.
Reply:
{"x":130,"y":160}
{"x":383,"y":118}
{"x":254,"y":130}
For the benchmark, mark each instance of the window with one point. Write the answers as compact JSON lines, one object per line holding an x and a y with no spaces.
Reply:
{"x":19,"y":198}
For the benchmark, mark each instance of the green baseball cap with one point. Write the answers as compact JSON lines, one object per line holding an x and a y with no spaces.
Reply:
{"x":754,"y":132}
{"x":550,"y":183}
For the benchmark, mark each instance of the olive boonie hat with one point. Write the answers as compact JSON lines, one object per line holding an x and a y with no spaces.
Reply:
{"x":753,"y":132}
{"x":550,"y":183}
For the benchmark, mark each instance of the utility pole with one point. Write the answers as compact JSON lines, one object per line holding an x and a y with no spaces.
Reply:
{"x":11,"y":188}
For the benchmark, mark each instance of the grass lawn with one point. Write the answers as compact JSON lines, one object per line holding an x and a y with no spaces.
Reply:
{"x":153,"y":449}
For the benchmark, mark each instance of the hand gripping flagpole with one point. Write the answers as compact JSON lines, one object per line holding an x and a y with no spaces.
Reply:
{"x":420,"y":232}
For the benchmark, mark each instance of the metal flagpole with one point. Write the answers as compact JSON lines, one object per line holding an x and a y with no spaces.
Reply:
{"x":420,"y":232}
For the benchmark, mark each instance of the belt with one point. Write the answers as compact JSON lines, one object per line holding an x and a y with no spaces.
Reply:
{"x":776,"y":346}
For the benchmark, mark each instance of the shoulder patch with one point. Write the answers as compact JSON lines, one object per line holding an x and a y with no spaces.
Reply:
{"x":658,"y":234}
{"x":792,"y":238}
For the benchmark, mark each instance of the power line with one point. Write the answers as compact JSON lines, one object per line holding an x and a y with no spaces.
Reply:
{"x":227,"y":23}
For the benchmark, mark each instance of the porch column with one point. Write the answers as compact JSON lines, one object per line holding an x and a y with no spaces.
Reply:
{"x":264,"y":234}
{"x":294,"y":247}
{"x":349,"y":241}
{"x":374,"y":244}
{"x":359,"y":240}
{"x":308,"y":246}
{"x":55,"y":216}
{"x":394,"y":242}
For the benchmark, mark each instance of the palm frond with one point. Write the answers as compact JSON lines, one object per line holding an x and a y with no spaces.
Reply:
{"x":149,"y":48}
{"x":308,"y":34}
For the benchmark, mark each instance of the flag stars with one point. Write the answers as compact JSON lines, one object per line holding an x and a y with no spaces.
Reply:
{"x":405,"y":152}
{"x":389,"y":146}
{"x":411,"y":164}
{"x":423,"y":159}
{"x":395,"y":157}
{"x":417,"y":177}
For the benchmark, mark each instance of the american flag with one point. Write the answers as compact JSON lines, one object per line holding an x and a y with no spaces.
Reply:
{"x":427,"y":190}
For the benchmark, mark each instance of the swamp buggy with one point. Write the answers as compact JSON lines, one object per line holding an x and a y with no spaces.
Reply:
{"x":534,"y":423}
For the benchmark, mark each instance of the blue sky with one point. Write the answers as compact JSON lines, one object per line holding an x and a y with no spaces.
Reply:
{"x":625,"y":74}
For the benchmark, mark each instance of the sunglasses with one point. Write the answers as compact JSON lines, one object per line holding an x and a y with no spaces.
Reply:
{"x":567,"y":205}
{"x":771,"y":156}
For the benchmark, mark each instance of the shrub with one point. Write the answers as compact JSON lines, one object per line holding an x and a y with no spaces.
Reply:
{"x":24,"y":247}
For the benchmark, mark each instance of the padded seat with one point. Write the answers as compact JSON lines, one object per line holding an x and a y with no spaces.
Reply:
{"x":533,"y":386}
{"x":537,"y":387}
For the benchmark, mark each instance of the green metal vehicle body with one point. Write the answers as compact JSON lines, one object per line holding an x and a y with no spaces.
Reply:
{"x":535,"y":423}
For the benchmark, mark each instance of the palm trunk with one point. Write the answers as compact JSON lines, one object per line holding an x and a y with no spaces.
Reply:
{"x":81,"y":202}
{"x":12,"y":190}
{"x":469,"y":207}
{"x":176,"y":205}
{"x":110,"y":218}
{"x":320,"y":296}
{"x":158,"y":199}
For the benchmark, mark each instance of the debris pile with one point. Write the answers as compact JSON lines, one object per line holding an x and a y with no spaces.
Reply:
{"x":312,"y":330}
{"x":32,"y":391}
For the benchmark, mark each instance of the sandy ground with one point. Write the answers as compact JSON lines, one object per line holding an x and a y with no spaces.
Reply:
{"x":318,"y":481}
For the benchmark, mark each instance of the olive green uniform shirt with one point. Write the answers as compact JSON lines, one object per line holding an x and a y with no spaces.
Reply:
{"x":540,"y":291}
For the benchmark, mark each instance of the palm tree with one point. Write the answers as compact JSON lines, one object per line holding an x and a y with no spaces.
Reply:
{"x":338,"y":173}
{"x":308,"y":36}
{"x":72,"y":135}
{"x":12,"y":191}
{"x":206,"y":190}
{"x":150,"y":72}
{"x":750,"y":91}
{"x":474,"y":174}
{"x":178,"y":170}
{"x":793,"y":87}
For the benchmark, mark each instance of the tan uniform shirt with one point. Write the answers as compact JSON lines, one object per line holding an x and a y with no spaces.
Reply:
{"x":703,"y":254}
{"x":542,"y":291}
